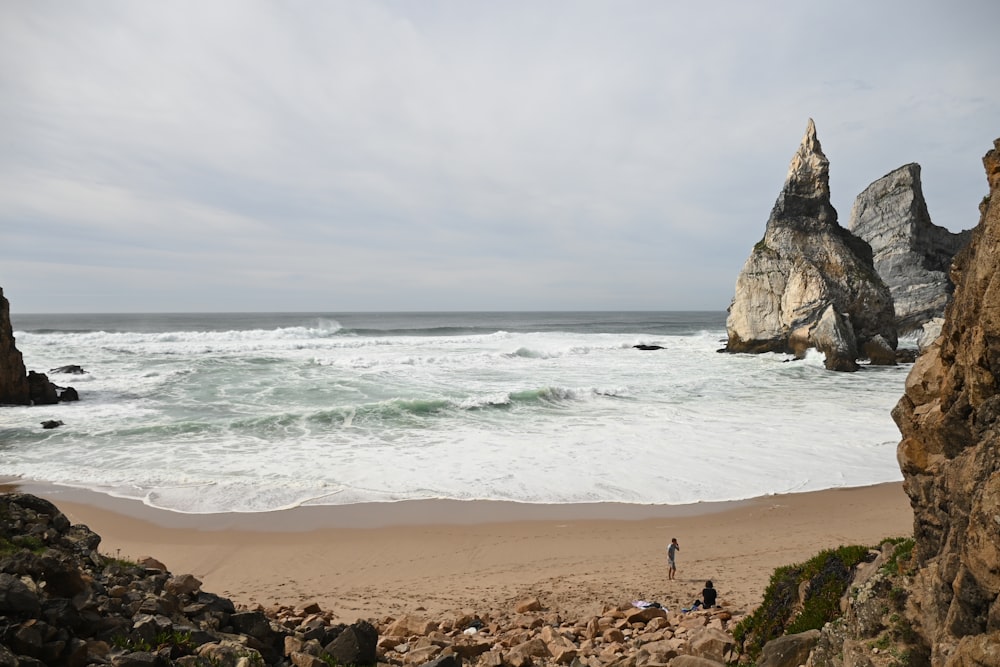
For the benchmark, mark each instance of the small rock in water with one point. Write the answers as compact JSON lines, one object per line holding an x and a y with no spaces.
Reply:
{"x":72,"y":369}
{"x":51,"y":423}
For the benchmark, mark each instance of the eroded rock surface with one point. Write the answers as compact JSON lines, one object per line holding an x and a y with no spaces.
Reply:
{"x":805,"y":265}
{"x":950,"y":455}
{"x":13,"y":376}
{"x":910,"y":253}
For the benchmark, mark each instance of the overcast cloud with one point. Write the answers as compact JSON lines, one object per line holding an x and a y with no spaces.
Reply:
{"x":457,"y":155}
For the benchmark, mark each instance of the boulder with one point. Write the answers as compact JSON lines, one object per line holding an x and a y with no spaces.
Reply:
{"x":949,"y":418}
{"x":910,"y":253}
{"x":834,"y":337}
{"x":656,"y":653}
{"x":805,"y":265}
{"x":712,"y":643}
{"x":528,"y":605}
{"x":40,"y":390}
{"x":410,"y":624}
{"x":790,"y":650}
{"x":523,"y":654}
{"x":879,"y":353}
{"x":695,"y":661}
{"x":355,"y":645}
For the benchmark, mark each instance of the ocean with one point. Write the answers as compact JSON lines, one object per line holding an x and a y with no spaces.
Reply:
{"x":204,"y":413}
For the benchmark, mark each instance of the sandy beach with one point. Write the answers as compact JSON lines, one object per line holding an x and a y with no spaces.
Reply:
{"x":434,"y":557}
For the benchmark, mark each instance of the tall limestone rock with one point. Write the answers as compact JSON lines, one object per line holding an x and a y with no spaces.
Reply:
{"x":809,"y":282}
{"x":13,"y":376}
{"x":949,"y":454}
{"x":911,"y":254}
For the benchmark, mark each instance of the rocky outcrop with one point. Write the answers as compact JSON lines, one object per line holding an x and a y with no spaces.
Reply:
{"x":949,"y":454}
{"x":16,"y":386}
{"x":13,"y":377}
{"x":809,"y":283}
{"x":910,"y":253}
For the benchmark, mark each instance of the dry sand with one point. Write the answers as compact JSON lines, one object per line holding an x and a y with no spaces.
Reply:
{"x":370,"y":561}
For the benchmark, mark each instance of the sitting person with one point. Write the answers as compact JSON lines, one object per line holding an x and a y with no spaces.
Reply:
{"x":709,"y":594}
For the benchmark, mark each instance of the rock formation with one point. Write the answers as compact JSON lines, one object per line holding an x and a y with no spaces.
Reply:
{"x":949,"y":454}
{"x":911,"y":254}
{"x":13,"y":377}
{"x":809,"y":282}
{"x":16,"y":386}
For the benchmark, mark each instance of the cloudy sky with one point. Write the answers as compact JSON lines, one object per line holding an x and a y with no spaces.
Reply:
{"x":457,"y":155}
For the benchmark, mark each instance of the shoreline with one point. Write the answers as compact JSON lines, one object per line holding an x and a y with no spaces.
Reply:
{"x":368,"y":514}
{"x":438,"y":557}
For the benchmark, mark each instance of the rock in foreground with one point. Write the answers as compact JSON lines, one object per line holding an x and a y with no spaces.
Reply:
{"x":950,"y":456}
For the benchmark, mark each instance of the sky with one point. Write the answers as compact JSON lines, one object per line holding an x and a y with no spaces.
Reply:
{"x":338,"y":156}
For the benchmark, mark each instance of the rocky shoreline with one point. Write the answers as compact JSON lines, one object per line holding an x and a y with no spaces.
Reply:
{"x":62,"y":602}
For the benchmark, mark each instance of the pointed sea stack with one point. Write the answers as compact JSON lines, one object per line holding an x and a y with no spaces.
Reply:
{"x":13,"y":376}
{"x":810,"y":283}
{"x":911,"y":253}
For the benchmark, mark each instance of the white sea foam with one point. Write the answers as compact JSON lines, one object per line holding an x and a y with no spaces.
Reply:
{"x":266,"y":418}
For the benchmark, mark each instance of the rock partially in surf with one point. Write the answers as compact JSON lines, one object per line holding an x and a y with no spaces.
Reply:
{"x":834,"y":337}
{"x":13,"y":378}
{"x":806,"y":264}
{"x":51,"y":423}
{"x":68,"y":394}
{"x":879,"y":353}
{"x":648,"y":347}
{"x":40,"y":390}
{"x":72,"y":369}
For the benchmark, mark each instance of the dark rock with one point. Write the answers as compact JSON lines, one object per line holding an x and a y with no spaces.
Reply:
{"x":40,"y":390}
{"x":140,"y":659}
{"x":72,"y":369}
{"x":16,"y":598}
{"x":648,"y":347}
{"x":13,"y":375}
{"x":68,"y":395}
{"x":51,"y":423}
{"x":444,"y":661}
{"x":355,"y":645}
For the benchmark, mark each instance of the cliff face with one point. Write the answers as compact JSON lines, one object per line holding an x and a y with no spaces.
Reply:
{"x":911,"y":254}
{"x":810,"y":282}
{"x":949,"y":418}
{"x":13,"y":376}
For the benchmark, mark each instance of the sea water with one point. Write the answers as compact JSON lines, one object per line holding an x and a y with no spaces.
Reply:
{"x":255,"y":412}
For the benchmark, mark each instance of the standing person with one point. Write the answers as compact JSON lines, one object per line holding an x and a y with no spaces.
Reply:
{"x":672,"y":550}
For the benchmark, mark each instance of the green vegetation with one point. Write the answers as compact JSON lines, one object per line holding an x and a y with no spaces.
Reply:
{"x":18,"y":542}
{"x":826,"y":577}
{"x":901,"y":560}
{"x":179,"y":642}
